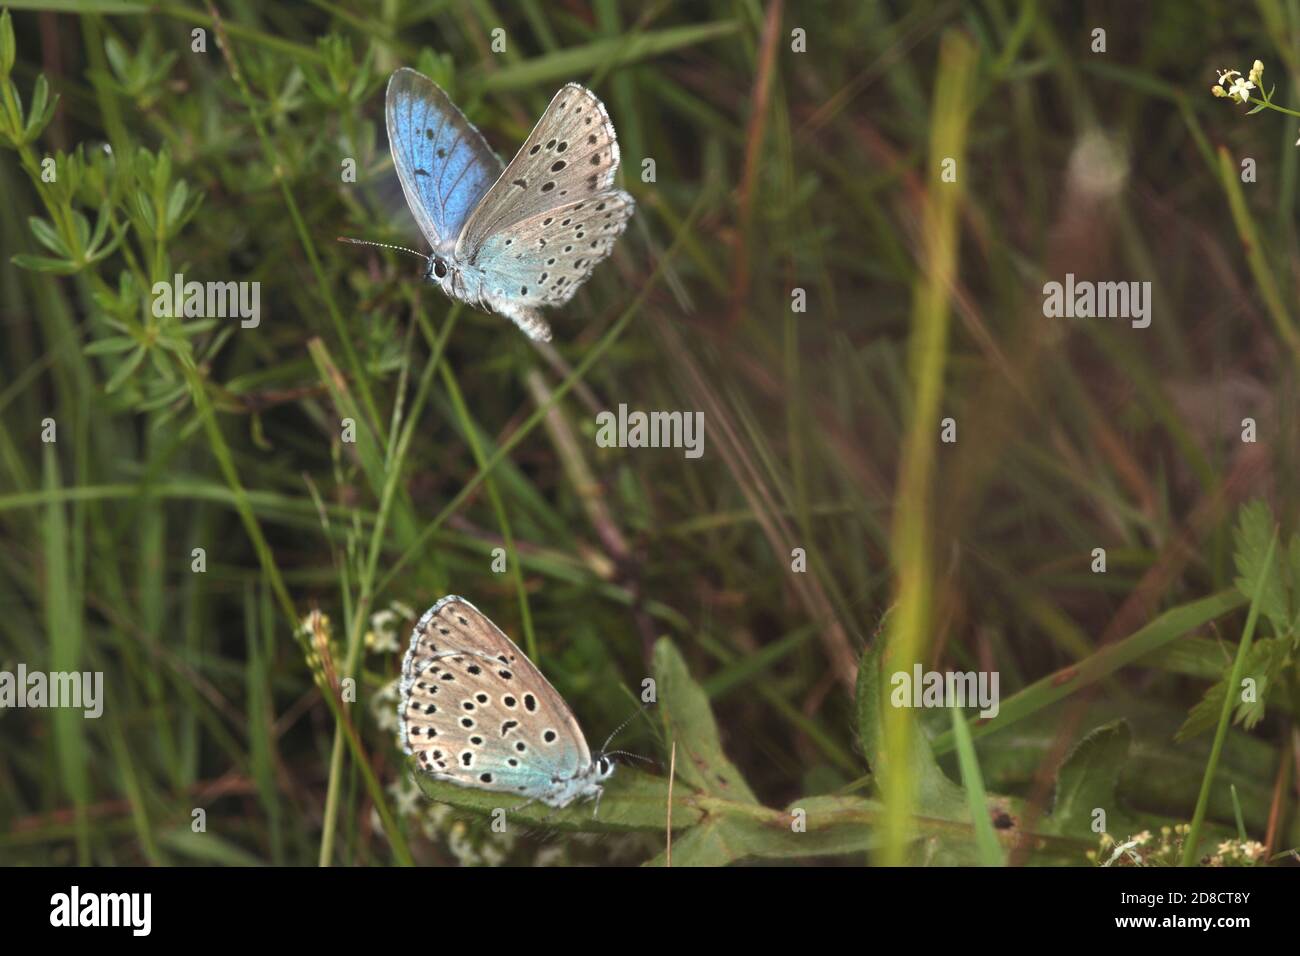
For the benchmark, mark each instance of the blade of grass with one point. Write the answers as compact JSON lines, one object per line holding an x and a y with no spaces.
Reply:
{"x":1046,"y":691}
{"x":608,"y":53}
{"x":986,"y":841}
{"x":1255,"y":249}
{"x":1225,"y":715}
{"x":63,"y":622}
{"x":914,"y":587}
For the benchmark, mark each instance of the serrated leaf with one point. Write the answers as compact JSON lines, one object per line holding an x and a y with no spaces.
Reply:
{"x":701,"y":762}
{"x":1251,"y":540}
{"x":1204,"y":714}
{"x":1264,"y":665}
{"x":1088,"y":779}
{"x":1264,"y":662}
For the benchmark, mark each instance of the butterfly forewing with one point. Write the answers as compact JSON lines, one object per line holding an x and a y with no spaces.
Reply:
{"x":476,"y":712}
{"x":571,"y":155}
{"x":445,"y":165}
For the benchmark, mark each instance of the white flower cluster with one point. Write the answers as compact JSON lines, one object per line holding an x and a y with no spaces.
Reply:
{"x":1236,"y":87}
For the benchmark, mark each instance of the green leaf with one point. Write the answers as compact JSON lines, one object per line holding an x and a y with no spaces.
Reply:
{"x":1252,"y":536}
{"x":81,"y":228}
{"x":118,"y":59}
{"x":1088,"y":779}
{"x":42,"y":109}
{"x":814,"y":826}
{"x":113,"y":345}
{"x":7,"y":47}
{"x":125,"y":370}
{"x":633,"y":800}
{"x":701,"y":762}
{"x":936,"y":795}
{"x":176,"y":204}
{"x":1264,"y":664}
{"x":48,"y":236}
{"x":44,"y":264}
{"x":12,"y":101}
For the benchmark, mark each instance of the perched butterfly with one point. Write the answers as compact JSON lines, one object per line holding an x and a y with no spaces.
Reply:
{"x":475,"y":712}
{"x":508,"y":241}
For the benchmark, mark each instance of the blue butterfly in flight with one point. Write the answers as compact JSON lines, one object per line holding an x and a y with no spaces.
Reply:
{"x":511,"y":240}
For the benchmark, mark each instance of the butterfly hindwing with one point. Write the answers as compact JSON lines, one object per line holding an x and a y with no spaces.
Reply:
{"x":443,"y":162}
{"x":543,"y":260}
{"x":571,"y":155}
{"x":476,"y":712}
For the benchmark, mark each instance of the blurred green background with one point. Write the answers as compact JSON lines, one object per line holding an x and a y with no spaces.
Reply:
{"x":799,"y":271}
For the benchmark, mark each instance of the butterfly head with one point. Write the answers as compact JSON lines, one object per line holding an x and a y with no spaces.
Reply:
{"x":602,"y":768}
{"x":438,"y":270}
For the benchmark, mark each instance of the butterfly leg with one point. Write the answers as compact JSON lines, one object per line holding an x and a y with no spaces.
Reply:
{"x":527,"y":803}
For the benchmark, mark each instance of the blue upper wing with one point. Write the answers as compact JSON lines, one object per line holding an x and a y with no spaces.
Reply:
{"x":444,"y":163}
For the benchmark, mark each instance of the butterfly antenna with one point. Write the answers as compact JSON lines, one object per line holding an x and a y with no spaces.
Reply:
{"x":382,"y":245}
{"x":619,"y":729}
{"x":627,"y":753}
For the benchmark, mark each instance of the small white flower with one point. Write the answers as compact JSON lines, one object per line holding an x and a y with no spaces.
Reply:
{"x":1122,"y":850}
{"x":1240,"y":90}
{"x":383,"y":706}
{"x":406,"y":796}
{"x":461,"y":846}
{"x":1257,"y":73}
{"x":382,"y":636}
{"x":308,"y":625}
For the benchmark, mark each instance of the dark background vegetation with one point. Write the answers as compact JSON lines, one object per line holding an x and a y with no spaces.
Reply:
{"x":775,"y":170}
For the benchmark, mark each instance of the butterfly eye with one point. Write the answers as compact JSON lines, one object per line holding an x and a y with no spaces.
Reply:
{"x":439,"y":269}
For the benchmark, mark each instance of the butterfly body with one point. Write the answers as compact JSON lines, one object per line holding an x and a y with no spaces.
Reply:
{"x":475,"y":712}
{"x":509,"y":240}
